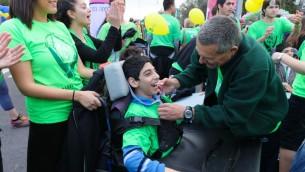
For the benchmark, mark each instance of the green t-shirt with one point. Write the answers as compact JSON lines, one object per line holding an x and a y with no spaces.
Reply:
{"x":169,"y":39}
{"x":124,"y":27}
{"x":147,"y":136}
{"x":299,"y":81}
{"x":281,"y":26}
{"x":53,"y":56}
{"x":188,"y":33}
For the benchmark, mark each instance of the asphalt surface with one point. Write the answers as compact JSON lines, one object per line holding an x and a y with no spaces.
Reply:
{"x":14,"y":140}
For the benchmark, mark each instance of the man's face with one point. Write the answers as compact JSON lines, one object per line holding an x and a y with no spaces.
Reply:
{"x":209,"y":56}
{"x":272,"y":10}
{"x":227,"y":9}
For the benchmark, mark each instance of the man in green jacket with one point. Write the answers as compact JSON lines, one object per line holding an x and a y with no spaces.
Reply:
{"x":243,"y":92}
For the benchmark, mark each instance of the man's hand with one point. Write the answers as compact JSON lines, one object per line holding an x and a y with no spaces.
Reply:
{"x":168,"y":85}
{"x":171,"y":111}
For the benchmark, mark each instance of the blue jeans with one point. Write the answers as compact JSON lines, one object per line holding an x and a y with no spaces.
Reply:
{"x":298,"y":164}
{"x":5,"y":99}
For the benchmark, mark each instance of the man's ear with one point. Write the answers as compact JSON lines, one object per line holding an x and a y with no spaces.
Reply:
{"x":70,"y":14}
{"x":132,"y":82}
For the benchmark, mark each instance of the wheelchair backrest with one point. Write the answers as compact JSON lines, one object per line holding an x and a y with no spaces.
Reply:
{"x":115,"y":80}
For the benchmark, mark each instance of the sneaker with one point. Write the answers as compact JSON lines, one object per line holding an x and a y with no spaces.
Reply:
{"x":21,"y":121}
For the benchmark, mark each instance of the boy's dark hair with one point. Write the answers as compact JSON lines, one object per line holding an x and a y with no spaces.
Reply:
{"x":167,"y":4}
{"x":266,"y":3}
{"x":133,"y":66}
{"x":24,"y":10}
{"x":131,"y":51}
{"x":62,"y":11}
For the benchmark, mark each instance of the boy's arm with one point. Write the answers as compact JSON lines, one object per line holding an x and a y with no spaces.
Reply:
{"x":135,"y":160}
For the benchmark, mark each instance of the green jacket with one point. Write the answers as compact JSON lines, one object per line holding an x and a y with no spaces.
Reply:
{"x":251,"y":100}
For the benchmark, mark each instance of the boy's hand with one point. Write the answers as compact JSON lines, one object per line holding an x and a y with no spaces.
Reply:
{"x":169,"y":170}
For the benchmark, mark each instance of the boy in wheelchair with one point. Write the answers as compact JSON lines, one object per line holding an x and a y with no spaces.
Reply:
{"x":146,"y":137}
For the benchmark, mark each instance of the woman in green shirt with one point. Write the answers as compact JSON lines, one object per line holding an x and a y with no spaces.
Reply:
{"x":75,"y":14}
{"x":293,"y":130}
{"x":48,"y":75}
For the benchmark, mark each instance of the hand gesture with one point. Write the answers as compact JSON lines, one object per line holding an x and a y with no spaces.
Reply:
{"x":269,"y":31}
{"x":89,"y":99}
{"x":296,"y":18}
{"x":8,"y":56}
{"x":115,"y":14}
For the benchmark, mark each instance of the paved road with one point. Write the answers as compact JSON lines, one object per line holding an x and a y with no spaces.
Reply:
{"x":14,"y":141}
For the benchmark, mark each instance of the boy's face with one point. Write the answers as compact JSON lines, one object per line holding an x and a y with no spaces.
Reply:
{"x":146,"y":86}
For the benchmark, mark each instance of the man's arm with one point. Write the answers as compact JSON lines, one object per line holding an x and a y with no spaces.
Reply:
{"x":239,"y":105}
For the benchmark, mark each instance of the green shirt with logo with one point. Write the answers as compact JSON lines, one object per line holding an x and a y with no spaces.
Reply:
{"x":281,"y":26}
{"x":169,"y":39}
{"x":50,"y":49}
{"x":124,"y":28}
{"x":147,"y":136}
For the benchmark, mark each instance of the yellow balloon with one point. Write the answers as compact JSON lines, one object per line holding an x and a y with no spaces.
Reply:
{"x":196,"y":16}
{"x":252,"y":6}
{"x":156,"y":24}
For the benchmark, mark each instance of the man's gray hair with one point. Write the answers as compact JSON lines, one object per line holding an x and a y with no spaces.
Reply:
{"x":222,"y":31}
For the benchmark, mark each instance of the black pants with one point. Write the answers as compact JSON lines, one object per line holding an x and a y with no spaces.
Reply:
{"x":160,"y":56}
{"x":293,"y":127}
{"x":270,"y":152}
{"x":45,"y":146}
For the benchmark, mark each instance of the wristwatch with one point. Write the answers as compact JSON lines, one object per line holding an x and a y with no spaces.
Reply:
{"x":188,"y":114}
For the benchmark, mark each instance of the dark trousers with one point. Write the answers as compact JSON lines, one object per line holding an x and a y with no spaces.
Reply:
{"x":45,"y":146}
{"x":270,"y":153}
{"x":162,"y":60}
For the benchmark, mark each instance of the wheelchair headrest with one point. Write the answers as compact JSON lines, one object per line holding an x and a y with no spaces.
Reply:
{"x":115,"y":80}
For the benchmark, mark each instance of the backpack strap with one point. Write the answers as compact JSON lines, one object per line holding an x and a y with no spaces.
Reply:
{"x":120,"y":125}
{"x":136,"y":121}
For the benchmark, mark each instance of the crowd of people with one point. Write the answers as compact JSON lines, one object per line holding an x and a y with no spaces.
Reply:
{"x":248,"y":73}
